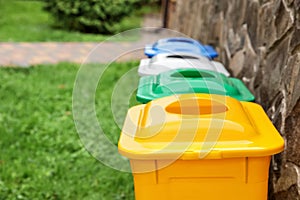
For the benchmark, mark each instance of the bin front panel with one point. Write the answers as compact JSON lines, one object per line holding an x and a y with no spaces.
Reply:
{"x":231,"y":170}
{"x":216,"y":179}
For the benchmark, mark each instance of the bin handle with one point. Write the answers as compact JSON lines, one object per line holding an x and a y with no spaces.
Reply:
{"x":191,"y":73}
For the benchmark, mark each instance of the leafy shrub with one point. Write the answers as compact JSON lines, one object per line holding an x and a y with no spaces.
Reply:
{"x":90,"y":16}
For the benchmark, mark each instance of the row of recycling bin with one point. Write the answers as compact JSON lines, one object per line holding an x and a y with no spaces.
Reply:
{"x":198,"y":134}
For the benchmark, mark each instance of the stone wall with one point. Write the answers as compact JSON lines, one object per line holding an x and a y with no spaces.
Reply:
{"x":259,"y":41}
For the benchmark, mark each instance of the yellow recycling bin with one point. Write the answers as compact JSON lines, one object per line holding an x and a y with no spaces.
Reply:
{"x":199,"y":146}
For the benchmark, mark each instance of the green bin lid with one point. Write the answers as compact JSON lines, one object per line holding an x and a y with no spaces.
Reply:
{"x":181,"y":81}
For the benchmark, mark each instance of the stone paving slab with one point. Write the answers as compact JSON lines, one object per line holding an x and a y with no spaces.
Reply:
{"x":26,"y":54}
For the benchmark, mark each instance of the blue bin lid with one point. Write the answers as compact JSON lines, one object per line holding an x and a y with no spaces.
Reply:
{"x":180,"y":44}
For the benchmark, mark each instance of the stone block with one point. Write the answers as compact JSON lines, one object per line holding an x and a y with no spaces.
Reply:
{"x":292,"y":132}
{"x":275,"y":62}
{"x":291,"y":81}
{"x":251,"y":19}
{"x":284,"y":19}
{"x":295,"y":41}
{"x":287,"y":186}
{"x":266,"y":32}
{"x":288,"y":2}
{"x":237,"y":62}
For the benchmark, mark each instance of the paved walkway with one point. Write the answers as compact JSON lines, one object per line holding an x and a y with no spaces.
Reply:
{"x":26,"y":54}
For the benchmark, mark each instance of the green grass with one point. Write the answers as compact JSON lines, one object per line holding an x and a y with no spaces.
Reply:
{"x":41,"y":155}
{"x":25,"y":21}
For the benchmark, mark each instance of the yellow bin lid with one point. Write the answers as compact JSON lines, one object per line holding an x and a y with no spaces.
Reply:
{"x":198,"y":126}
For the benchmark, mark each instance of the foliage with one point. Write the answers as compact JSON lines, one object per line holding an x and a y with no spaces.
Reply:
{"x":26,"y":21}
{"x":91,"y":16}
{"x":41,"y":155}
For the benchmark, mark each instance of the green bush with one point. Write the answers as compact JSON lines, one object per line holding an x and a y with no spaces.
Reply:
{"x":90,"y":16}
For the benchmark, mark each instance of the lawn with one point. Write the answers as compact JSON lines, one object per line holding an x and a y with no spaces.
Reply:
{"x":41,"y":154}
{"x":26,"y":21}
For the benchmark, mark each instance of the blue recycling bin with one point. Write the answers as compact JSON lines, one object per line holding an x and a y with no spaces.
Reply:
{"x":180,"y":45}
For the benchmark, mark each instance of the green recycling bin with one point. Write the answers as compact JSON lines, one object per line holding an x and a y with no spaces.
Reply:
{"x":181,"y":81}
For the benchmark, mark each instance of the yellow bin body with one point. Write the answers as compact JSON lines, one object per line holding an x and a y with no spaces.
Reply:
{"x":199,"y":146}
